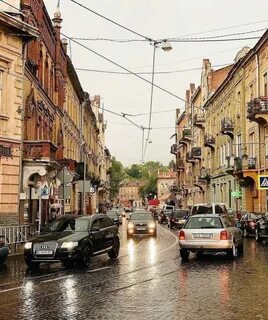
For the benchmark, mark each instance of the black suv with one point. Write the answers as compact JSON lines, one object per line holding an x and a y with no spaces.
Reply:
{"x":73,"y":240}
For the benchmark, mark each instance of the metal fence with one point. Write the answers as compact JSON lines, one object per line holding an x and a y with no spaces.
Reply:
{"x":17,"y":234}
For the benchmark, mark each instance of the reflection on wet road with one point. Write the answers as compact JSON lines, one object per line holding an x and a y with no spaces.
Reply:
{"x":147,"y":281}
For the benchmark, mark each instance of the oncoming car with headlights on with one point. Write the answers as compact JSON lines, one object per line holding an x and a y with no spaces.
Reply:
{"x":210,"y":232}
{"x":73,"y":240}
{"x":141,"y":223}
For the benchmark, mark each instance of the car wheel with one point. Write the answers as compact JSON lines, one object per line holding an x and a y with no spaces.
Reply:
{"x":68,"y":264}
{"x":33,"y":265}
{"x":184,"y":253}
{"x":257,"y":236}
{"x":114,"y":252}
{"x":245,"y":233}
{"x":85,"y":258}
{"x":232,"y":253}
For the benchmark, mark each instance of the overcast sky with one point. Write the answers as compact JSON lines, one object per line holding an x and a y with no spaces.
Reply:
{"x":157,"y":19}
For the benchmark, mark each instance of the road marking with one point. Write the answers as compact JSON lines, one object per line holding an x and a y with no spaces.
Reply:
{"x":11,"y":289}
{"x":99,"y":269}
{"x":56,"y":279}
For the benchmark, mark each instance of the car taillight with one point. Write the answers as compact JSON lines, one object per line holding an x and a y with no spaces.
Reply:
{"x":224,"y":235}
{"x":182,"y":235}
{"x":172,"y":219}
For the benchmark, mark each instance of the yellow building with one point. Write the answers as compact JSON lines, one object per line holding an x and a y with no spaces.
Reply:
{"x":228,"y":126}
{"x":11,"y":102}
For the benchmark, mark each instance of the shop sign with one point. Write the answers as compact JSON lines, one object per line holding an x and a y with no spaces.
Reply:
{"x":5,"y":151}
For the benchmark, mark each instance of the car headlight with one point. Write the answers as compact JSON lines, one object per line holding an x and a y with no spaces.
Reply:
{"x":151,"y":225}
{"x":28,"y":245}
{"x":69,"y":245}
{"x":130,"y":225}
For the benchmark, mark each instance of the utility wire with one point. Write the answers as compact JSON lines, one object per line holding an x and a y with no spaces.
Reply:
{"x":112,"y":21}
{"x":168,"y":39}
{"x":121,"y":67}
{"x":149,"y":73}
{"x":12,"y":6}
{"x":214,"y":40}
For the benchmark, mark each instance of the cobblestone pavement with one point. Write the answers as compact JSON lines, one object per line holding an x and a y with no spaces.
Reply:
{"x":147,"y":281}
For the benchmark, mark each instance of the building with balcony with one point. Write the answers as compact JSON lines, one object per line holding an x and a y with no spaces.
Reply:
{"x":165,"y":181}
{"x":129,"y":195}
{"x":14,"y":36}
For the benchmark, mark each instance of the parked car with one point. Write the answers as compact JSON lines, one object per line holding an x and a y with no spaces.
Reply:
{"x":168,"y":207}
{"x":164,"y":215}
{"x":204,"y":208}
{"x":248,"y":223}
{"x":4,"y":250}
{"x":210,"y":232}
{"x":73,"y":240}
{"x":177,"y":218}
{"x":141,"y":223}
{"x":115,"y":217}
{"x":261,"y":230}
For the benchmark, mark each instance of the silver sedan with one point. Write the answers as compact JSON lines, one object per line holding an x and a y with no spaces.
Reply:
{"x":210,"y":232}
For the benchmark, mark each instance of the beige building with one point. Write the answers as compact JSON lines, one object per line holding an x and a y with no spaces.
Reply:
{"x":12,"y":49}
{"x":229,"y":128}
{"x":129,"y":194}
{"x":165,"y":181}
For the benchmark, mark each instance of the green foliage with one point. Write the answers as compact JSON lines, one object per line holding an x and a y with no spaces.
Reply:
{"x":134,"y":171}
{"x":117,"y":176}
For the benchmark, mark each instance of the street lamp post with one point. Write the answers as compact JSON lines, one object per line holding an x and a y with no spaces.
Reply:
{"x":165,"y":46}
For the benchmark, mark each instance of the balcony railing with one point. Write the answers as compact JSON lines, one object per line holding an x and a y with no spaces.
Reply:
{"x":40,"y":150}
{"x":200,"y":180}
{"x":227,"y":127}
{"x":189,"y":157}
{"x":196,"y":152}
{"x":209,"y":141}
{"x":252,"y":163}
{"x":257,"y":109}
{"x":186,"y":136}
{"x":238,"y":164}
{"x":199,"y":120}
{"x":174,"y":149}
{"x":205,"y":174}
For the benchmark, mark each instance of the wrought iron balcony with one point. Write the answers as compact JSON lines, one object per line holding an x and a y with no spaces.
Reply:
{"x":40,"y":150}
{"x":205,"y":174}
{"x":186,"y":136}
{"x":252,"y":163}
{"x":199,"y":180}
{"x":257,"y":110}
{"x":238,"y":164}
{"x":229,"y":167}
{"x":174,"y":149}
{"x":209,"y":141}
{"x":196,"y":152}
{"x":189,"y":157}
{"x":227,"y":127}
{"x":199,"y":120}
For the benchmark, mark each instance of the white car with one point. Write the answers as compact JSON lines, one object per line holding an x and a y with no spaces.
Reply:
{"x":210,"y":232}
{"x":218,"y":208}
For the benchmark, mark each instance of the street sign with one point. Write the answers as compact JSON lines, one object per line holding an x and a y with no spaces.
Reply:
{"x":263,"y":182}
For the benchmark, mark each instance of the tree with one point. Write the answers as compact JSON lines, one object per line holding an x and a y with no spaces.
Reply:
{"x":116,"y":177}
{"x":134,"y":171}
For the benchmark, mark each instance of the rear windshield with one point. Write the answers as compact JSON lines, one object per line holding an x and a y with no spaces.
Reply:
{"x":112,"y":214}
{"x":204,"y":223}
{"x":201,"y":209}
{"x":180,"y":214}
{"x":141,"y":216}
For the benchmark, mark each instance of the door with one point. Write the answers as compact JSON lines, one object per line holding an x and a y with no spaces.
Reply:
{"x":97,"y":236}
{"x":107,"y":227}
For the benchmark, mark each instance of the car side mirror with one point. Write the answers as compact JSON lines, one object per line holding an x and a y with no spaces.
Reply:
{"x":95,"y":229}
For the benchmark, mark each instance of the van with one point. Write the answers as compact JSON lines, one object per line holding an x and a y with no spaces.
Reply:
{"x":203,"y":208}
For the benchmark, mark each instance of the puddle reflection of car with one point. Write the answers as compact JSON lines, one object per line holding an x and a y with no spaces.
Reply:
{"x":141,"y":223}
{"x":210,"y":232}
{"x":73,"y":240}
{"x":4,"y":250}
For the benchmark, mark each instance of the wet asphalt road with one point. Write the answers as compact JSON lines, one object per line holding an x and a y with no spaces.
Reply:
{"x":147,"y":281}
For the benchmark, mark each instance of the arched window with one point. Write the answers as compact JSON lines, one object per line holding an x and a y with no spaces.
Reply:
{"x":40,"y":67}
{"x":46,"y":76}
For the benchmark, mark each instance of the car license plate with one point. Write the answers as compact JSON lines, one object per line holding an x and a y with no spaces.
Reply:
{"x":202,"y":235}
{"x":141,"y":228}
{"x":181,"y":221}
{"x":44,"y":252}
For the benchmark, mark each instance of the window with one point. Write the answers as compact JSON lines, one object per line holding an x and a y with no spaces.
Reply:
{"x":251,"y":145}
{"x":238,"y":146}
{"x":1,"y":89}
{"x":95,"y":225}
{"x":104,"y":223}
{"x":266,"y":141}
{"x":265,"y":92}
{"x":251,"y":94}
